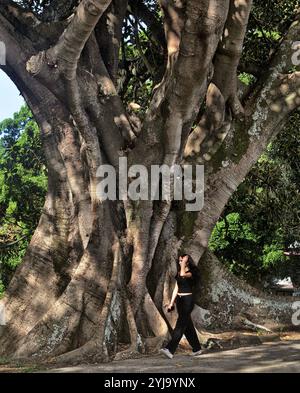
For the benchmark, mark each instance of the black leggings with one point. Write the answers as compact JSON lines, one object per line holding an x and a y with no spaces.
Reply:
{"x":184,"y":324}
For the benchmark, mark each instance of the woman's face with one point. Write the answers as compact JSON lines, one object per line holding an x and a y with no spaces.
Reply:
{"x":183,"y":259}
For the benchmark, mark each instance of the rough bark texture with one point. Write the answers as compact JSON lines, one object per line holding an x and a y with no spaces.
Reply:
{"x":98,"y":273}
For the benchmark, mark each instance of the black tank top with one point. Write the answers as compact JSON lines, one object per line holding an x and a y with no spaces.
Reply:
{"x":184,"y":283}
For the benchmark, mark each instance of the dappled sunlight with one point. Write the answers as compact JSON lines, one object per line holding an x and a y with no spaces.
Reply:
{"x":208,"y":84}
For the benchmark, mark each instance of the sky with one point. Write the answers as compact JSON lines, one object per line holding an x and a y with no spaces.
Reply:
{"x":10,"y":98}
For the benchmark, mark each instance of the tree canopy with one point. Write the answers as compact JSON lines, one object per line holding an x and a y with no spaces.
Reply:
{"x":23,"y":181}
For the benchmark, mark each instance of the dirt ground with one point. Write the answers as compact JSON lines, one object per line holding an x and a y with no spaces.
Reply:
{"x":242,"y":347}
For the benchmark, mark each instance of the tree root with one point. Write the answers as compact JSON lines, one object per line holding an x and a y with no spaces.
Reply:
{"x":255,"y":326}
{"x":227,"y":298}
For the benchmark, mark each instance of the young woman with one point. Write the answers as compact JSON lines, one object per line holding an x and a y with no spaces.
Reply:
{"x":187,"y":273}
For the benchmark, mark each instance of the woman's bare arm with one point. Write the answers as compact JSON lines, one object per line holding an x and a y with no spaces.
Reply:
{"x":175,"y":291}
{"x":183,"y":272}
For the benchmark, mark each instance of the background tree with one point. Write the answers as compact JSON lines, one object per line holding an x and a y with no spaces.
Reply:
{"x":23,"y":185}
{"x":97,"y":273}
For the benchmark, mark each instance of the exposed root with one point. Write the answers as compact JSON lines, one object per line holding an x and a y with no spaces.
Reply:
{"x":139,"y":232}
{"x":130,"y":353}
{"x":135,"y":338}
{"x":155,"y":320}
{"x":255,"y":326}
{"x":227,"y":298}
{"x":91,"y":352}
{"x":153,"y":344}
{"x":99,"y":348}
{"x":104,"y":333}
{"x":136,"y":348}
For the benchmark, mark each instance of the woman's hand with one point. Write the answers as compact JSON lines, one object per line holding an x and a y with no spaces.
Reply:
{"x":170,"y":307}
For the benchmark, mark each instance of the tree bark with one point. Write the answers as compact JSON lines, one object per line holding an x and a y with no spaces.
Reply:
{"x":98,"y":273}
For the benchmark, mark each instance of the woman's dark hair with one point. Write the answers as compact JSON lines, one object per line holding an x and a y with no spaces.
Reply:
{"x":192,"y":266}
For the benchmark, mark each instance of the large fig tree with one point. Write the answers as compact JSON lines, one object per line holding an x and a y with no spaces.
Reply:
{"x":98,"y":272}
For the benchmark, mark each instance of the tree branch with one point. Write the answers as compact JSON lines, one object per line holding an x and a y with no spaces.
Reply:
{"x":193,"y":31}
{"x":229,"y":52}
{"x":139,"y":9}
{"x":17,"y":47}
{"x":275,"y":97}
{"x":7,"y":245}
{"x":135,"y":25}
{"x":108,"y":33}
{"x":58,"y":10}
{"x":176,"y":100}
{"x":63,"y":59}
{"x":41,"y":34}
{"x":223,"y":91}
{"x":68,"y":50}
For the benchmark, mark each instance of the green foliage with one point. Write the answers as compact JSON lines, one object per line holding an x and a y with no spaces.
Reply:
{"x":262,"y":218}
{"x":237,"y":245}
{"x":268,"y":22}
{"x":272,"y":256}
{"x":141,"y":60}
{"x":244,"y":252}
{"x":23,"y":181}
{"x":245,"y":78}
{"x":2,"y":288}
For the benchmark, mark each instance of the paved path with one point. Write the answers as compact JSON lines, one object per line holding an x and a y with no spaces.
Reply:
{"x":282,"y":356}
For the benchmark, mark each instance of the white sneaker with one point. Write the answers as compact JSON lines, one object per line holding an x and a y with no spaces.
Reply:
{"x":197,"y":353}
{"x":166,"y":352}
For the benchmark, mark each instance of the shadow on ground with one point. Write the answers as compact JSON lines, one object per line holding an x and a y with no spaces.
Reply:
{"x":273,"y":357}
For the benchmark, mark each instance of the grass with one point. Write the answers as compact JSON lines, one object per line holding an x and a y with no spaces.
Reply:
{"x":18,"y":367}
{"x":3,"y":361}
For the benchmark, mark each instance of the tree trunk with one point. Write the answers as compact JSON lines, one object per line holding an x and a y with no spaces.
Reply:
{"x":98,"y":273}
